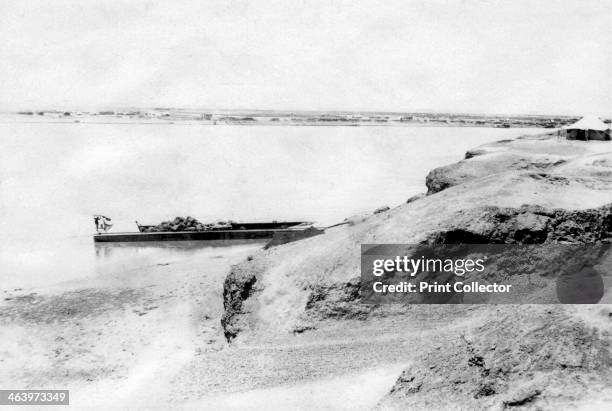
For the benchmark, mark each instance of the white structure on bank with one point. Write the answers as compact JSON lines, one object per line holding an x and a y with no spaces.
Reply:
{"x":587,"y":128}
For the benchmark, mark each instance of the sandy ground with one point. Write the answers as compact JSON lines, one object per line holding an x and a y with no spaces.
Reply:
{"x":152,"y":340}
{"x":120,"y":338}
{"x":353,"y":391}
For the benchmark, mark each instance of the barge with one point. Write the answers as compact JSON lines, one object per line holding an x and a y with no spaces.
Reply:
{"x":234,"y":231}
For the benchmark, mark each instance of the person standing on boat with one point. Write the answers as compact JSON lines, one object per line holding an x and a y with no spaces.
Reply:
{"x":102,"y":223}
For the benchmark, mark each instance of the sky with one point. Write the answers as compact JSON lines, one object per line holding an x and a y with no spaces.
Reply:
{"x":544,"y":57}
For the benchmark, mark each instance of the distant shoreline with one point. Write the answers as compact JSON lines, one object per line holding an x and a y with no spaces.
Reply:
{"x":271,"y":118}
{"x":185,"y":123}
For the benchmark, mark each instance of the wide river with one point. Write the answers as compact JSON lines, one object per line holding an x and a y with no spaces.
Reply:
{"x":55,"y":176}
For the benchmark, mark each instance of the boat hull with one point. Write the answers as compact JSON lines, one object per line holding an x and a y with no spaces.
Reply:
{"x":191,"y":235}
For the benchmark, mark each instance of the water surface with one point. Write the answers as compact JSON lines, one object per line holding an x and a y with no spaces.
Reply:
{"x":54,"y":177}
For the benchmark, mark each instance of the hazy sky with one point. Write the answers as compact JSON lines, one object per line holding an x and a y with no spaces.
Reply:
{"x":487,"y":56}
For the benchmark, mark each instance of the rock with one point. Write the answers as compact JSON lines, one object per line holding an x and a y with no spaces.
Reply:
{"x":381,"y":209}
{"x":440,"y":178}
{"x":530,"y":228}
{"x":415,"y":198}
{"x":238,"y":286}
{"x":474,"y":152}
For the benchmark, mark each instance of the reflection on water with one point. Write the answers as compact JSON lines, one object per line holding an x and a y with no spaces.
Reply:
{"x":111,"y":258}
{"x":180,"y":248}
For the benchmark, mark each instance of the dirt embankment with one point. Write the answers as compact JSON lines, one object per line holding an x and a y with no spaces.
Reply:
{"x":532,"y":190}
{"x":524,"y":357}
{"x":326,"y":298}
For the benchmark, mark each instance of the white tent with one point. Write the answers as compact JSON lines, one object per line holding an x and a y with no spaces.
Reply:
{"x":587,"y":128}
{"x":588,"y":123}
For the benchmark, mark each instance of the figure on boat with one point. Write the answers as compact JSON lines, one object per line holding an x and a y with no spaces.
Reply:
{"x":102,"y":223}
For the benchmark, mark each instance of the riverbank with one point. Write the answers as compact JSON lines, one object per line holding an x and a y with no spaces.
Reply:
{"x":531,"y":189}
{"x":117,"y":340}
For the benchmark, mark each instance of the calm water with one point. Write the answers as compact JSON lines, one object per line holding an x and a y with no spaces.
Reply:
{"x":53,"y":177}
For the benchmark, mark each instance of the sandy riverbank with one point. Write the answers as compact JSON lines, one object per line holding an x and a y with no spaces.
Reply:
{"x":117,"y":339}
{"x":532,"y":189}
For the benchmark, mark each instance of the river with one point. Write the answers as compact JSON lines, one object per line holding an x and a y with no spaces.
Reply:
{"x":55,"y":176}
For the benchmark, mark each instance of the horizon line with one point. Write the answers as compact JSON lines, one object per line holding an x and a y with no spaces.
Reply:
{"x":285,"y":111}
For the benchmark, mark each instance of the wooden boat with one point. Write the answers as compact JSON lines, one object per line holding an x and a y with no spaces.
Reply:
{"x":233,"y":231}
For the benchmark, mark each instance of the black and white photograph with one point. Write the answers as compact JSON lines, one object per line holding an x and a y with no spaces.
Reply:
{"x":306,"y":205}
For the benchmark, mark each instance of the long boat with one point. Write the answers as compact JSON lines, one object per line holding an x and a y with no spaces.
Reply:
{"x":236,"y":231}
